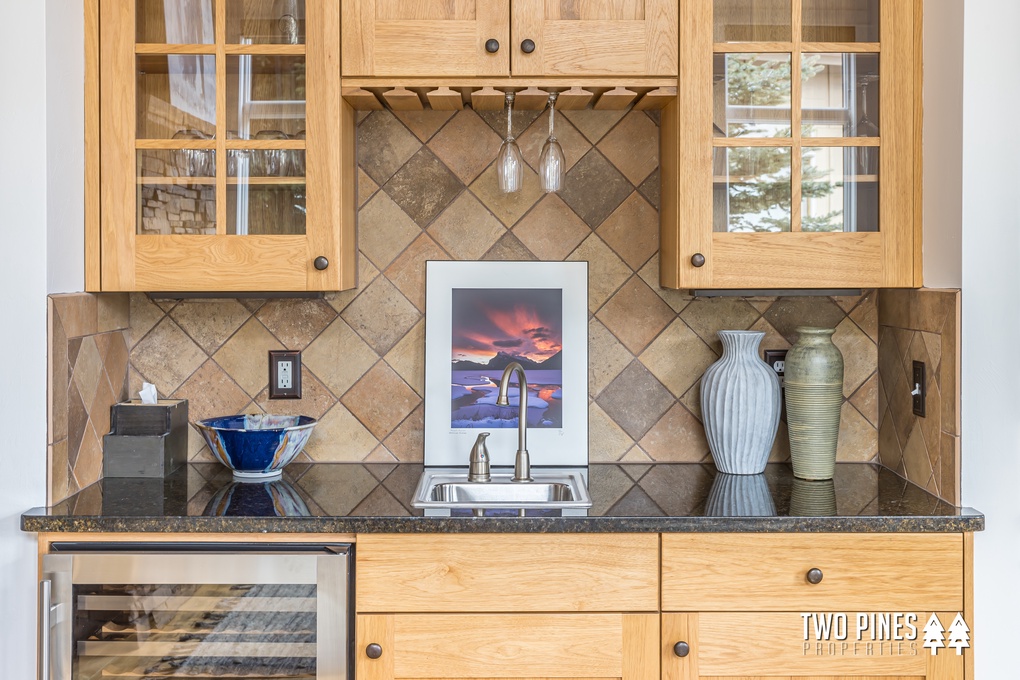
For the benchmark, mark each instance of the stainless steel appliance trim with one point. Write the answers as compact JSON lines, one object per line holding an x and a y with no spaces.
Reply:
{"x":159,"y":569}
{"x":57,"y":570}
{"x":333,"y":617}
{"x":45,"y":623}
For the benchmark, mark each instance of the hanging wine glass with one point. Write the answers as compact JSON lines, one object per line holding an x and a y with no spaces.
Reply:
{"x":509,"y":162}
{"x":865,"y":128}
{"x":551,"y":164}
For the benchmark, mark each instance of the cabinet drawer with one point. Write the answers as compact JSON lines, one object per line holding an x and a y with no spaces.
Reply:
{"x":507,"y":572}
{"x":768,"y":572}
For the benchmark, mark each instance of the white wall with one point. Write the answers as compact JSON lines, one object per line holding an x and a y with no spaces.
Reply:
{"x":991,"y":321}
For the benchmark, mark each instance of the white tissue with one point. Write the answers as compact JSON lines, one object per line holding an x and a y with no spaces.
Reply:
{"x":148,"y":394}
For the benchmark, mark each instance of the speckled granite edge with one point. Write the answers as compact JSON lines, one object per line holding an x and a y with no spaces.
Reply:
{"x":968,"y":521}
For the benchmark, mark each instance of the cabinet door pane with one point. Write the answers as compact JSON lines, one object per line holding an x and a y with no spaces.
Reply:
{"x":261,"y":22}
{"x":751,"y":95}
{"x":176,"y":191}
{"x":175,"y":22}
{"x":266,"y":192}
{"x":840,"y":95}
{"x":840,"y":189}
{"x":752,"y":21}
{"x":265,"y":94}
{"x":752,"y":190}
{"x":175,"y":93}
{"x":842,"y":20}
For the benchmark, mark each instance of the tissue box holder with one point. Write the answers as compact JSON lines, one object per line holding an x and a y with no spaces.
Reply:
{"x":147,"y":440}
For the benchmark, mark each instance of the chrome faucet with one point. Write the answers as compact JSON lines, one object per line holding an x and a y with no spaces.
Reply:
{"x":522,"y":464}
{"x":478,"y":463}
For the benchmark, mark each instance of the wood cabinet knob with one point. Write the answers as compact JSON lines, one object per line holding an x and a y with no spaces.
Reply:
{"x":814,"y":576}
{"x":528,"y":46}
{"x":681,"y":649}
{"x":373,"y":651}
{"x":698,"y":260}
{"x":492,"y":46}
{"x":321,"y":263}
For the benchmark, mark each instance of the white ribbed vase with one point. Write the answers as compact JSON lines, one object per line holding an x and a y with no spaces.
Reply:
{"x":740,"y":496}
{"x":740,"y":405}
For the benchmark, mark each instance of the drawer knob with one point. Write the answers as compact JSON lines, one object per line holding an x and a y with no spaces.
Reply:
{"x":814,"y":576}
{"x":321,"y":263}
{"x":528,"y":46}
{"x":492,"y":46}
{"x":698,"y":260}
{"x":681,"y":649}
{"x":373,"y":651}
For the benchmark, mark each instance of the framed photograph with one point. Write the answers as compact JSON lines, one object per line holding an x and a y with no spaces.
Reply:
{"x":479,"y":318}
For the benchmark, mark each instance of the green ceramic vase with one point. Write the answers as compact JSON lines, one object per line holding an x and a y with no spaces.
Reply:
{"x":814,"y":397}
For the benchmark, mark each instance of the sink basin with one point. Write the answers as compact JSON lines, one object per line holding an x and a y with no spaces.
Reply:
{"x":448,"y":488}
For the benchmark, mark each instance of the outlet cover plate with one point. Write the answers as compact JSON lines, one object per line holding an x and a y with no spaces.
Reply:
{"x":277,"y":365}
{"x":776,"y":359}
{"x":919,"y":389}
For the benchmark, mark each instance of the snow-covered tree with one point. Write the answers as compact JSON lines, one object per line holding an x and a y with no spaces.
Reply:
{"x":933,"y":635}
{"x":959,"y":634}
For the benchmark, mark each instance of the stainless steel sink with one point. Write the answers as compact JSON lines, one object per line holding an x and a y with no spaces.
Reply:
{"x":448,"y":488}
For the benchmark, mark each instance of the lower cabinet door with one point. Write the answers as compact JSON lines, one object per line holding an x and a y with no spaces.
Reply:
{"x":807,"y":646}
{"x":420,"y":646}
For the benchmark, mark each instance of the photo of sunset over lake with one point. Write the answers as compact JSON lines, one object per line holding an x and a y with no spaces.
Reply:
{"x":492,"y":328}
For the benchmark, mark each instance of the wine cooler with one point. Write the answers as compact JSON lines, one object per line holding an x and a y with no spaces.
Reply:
{"x":195,"y":610}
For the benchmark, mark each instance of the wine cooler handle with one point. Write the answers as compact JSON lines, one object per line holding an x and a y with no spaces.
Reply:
{"x":45,"y":625}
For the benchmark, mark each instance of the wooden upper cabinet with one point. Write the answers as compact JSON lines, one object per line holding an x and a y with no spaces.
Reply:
{"x":426,"y":37}
{"x":595,"y":37}
{"x":791,"y":156}
{"x":225,"y":149}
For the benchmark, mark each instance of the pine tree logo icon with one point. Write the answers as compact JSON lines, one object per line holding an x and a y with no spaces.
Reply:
{"x":934,"y":638}
{"x":959,"y":635}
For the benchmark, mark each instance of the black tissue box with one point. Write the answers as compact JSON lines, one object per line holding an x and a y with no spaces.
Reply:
{"x":147,"y":440}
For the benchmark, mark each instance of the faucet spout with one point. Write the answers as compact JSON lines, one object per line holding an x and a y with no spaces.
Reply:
{"x":522,"y":463}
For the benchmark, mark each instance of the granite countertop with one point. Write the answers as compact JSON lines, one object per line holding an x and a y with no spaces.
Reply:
{"x":376,"y":497}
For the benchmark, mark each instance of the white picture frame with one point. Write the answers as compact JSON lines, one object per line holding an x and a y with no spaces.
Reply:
{"x":559,"y":440}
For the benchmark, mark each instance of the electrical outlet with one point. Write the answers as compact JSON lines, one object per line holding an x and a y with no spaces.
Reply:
{"x":919,"y":389}
{"x":776,"y":358}
{"x":284,"y":374}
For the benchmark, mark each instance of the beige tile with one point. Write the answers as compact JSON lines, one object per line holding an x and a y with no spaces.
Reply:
{"x":252,"y":304}
{"x":340,"y":438}
{"x":573,"y":143}
{"x":210,"y":322}
{"x":931,"y":424}
{"x":847,"y":302}
{"x":607,"y":442}
{"x":858,"y":439}
{"x":315,"y":399}
{"x":407,"y":272}
{"x":860,"y":355}
{"x":407,"y":442}
{"x":632,"y":231}
{"x":551,"y":230}
{"x":466,"y":230}
{"x":894,"y":385}
{"x":509,"y":248}
{"x":915,"y":458}
{"x":116,"y":364}
{"x":761,"y":303}
{"x":636,"y":455}
{"x":678,"y":358}
{"x":198,"y":450}
{"x":339,"y":357}
{"x":790,"y":312}
{"x":88,"y":369}
{"x":367,"y":273}
{"x":708,"y":316}
{"x":865,"y":399}
{"x":99,"y":412}
{"x":296,"y":323}
{"x":635,"y":315}
{"x":59,"y":373}
{"x":889,"y":451}
{"x":424,"y":187}
{"x":772,"y":340}
{"x":381,"y":315}
{"x":780,"y":452}
{"x":144,"y":316}
{"x":865,"y":315}
{"x":612,"y":483}
{"x":384,"y":145}
{"x":677,"y":437}
{"x":77,"y":421}
{"x":78,"y":313}
{"x":384,"y":230}
{"x":894,"y":307}
{"x":606,"y":271}
{"x":366,"y":187}
{"x":381,"y":455}
{"x":245,"y":357}
{"x":677,"y":299}
{"x":407,"y":358}
{"x":692,"y":400}
{"x":607,"y":357}
{"x":425,"y":123}
{"x":113,"y":312}
{"x":467,"y":145}
{"x":508,"y":208}
{"x":633,"y":146}
{"x":88,"y":466}
{"x":929,"y":309}
{"x":594,"y":124}
{"x":933,"y":346}
{"x":381,"y":400}
{"x":211,"y":393}
{"x":916,"y":351}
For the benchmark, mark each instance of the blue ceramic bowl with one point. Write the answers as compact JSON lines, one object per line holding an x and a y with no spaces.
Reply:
{"x":256,"y":446}
{"x":259,"y":498}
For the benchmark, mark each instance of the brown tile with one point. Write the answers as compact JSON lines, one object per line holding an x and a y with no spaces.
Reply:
{"x":847,"y":302}
{"x":894,"y":307}
{"x":113,"y":312}
{"x":88,"y":465}
{"x":675,"y":490}
{"x":677,"y":437}
{"x":59,"y":372}
{"x":607,"y":357}
{"x":167,"y":341}
{"x":366,"y":275}
{"x":865,"y":315}
{"x":384,"y":230}
{"x":407,"y":358}
{"x":636,"y":503}
{"x":860,"y":355}
{"x":144,"y":316}
{"x":134,"y":383}
{"x":933,"y":346}
{"x":384,"y":145}
{"x":78,"y":313}
{"x":211,"y":393}
{"x":692,"y":400}
{"x":59,"y":472}
{"x":509,"y":248}
{"x":612,"y":483}
{"x":407,"y":272}
{"x":252,"y":304}
{"x":210,"y":322}
{"x":635,"y":315}
{"x":166,"y":304}
{"x":99,"y":412}
{"x":916,"y":351}
{"x":381,"y":315}
{"x":423,"y":187}
{"x":425,"y":123}
{"x":381,"y":400}
{"x":930,"y":309}
{"x":466,"y":229}
{"x":708,"y":316}
{"x":931,"y":425}
{"x":651,"y":188}
{"x":507,"y":207}
{"x":77,"y":421}
{"x":315,"y":399}
{"x":915,"y":458}
{"x":677,"y":299}
{"x":858,"y":439}
{"x":635,"y":400}
{"x":366,"y":187}
{"x":895,"y":386}
{"x":551,"y":230}
{"x":594,"y":124}
{"x":606,"y":271}
{"x":607,"y":442}
{"x":245,"y":357}
{"x":573,"y":143}
{"x":339,"y":357}
{"x":865,"y":399}
{"x":116,"y":364}
{"x":595,"y":171}
{"x":88,"y":369}
{"x":780,"y":452}
{"x":522,"y":120}
{"x":772,"y":340}
{"x":296,"y":323}
{"x":635,"y":455}
{"x":340,"y":438}
{"x":632,"y":231}
{"x":678,"y":358}
{"x":633,"y":147}
{"x":198,"y":450}
{"x":761,"y":302}
{"x":889,"y":451}
{"x":466,"y":145}
{"x":407,"y":442}
{"x":790,"y":312}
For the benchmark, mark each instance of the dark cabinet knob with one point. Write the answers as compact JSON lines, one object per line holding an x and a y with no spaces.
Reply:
{"x":373,"y":651}
{"x":698,"y":260}
{"x":814,"y":576}
{"x":321,"y":263}
{"x":528,"y":46}
{"x":681,"y":649}
{"x":492,"y":46}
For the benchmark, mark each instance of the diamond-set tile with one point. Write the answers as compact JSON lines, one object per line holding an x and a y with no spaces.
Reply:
{"x":466,"y":145}
{"x":211,"y":393}
{"x":408,"y":271}
{"x":573,"y":143}
{"x":635,"y":315}
{"x":678,"y":340}
{"x":423,"y":187}
{"x":606,"y":271}
{"x":607,"y":442}
{"x":633,"y":147}
{"x":296,"y":323}
{"x":407,"y":441}
{"x":339,"y":357}
{"x":245,"y":356}
{"x":315,"y":399}
{"x":167,"y":340}
{"x":595,"y":171}
{"x":340,"y":438}
{"x":210,"y":322}
{"x":632,"y":230}
{"x":466,"y":229}
{"x":607,"y":357}
{"x":594,"y":124}
{"x":407,"y":358}
{"x":424,"y":123}
{"x":384,"y":146}
{"x":381,"y":315}
{"x":551,"y":230}
{"x":384,"y":230}
{"x":860,"y":355}
{"x":381,"y":416}
{"x":507,"y":207}
{"x":509,"y":248}
{"x":635,"y":400}
{"x":708,"y":316}
{"x":790,"y":312}
{"x":677,"y":437}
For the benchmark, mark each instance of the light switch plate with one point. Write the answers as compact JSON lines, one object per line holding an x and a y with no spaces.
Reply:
{"x":918,"y":387}
{"x":284,"y":374}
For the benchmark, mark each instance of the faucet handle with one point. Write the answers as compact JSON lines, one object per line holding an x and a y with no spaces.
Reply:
{"x":478,"y":463}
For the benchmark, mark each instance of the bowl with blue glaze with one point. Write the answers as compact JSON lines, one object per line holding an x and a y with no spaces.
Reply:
{"x":256,"y":446}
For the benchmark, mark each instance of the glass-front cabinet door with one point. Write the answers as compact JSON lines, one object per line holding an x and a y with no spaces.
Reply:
{"x":224,"y":142}
{"x":795,"y":140}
